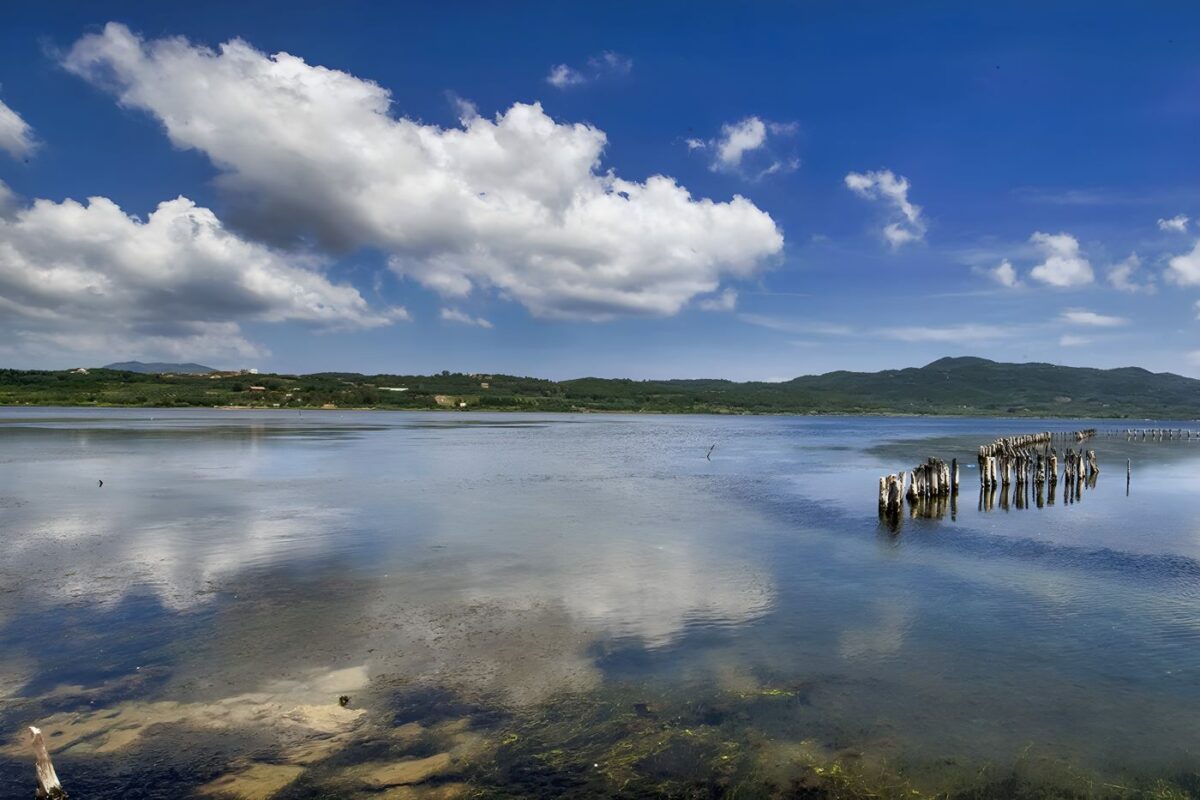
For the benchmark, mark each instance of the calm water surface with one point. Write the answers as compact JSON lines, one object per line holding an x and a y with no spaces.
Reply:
{"x":518,"y":603}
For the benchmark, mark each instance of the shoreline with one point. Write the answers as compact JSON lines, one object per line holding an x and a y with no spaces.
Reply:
{"x":611,"y":412}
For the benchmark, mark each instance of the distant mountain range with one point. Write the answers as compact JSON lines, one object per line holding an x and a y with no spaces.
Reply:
{"x":960,"y":386}
{"x":160,"y":368}
{"x":952,"y":386}
{"x":980,"y":385}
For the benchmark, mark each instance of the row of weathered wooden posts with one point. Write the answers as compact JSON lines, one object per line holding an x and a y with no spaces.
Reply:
{"x":1030,"y":458}
{"x":1018,"y":463}
{"x":1021,"y":460}
{"x":1156,"y":434}
{"x":932,"y":479}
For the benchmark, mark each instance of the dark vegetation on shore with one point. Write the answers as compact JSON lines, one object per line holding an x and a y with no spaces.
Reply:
{"x":955,"y":386}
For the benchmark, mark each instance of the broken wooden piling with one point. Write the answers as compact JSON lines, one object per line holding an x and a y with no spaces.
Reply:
{"x":1020,"y":465}
{"x":891,"y":492}
{"x":926,"y":487}
{"x":1016,"y":458}
{"x":47,"y":780}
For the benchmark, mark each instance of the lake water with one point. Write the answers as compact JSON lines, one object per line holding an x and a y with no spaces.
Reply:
{"x":549,"y":605}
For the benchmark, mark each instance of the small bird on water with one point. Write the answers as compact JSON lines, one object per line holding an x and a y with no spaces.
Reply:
{"x":709,"y":454}
{"x":102,"y":482}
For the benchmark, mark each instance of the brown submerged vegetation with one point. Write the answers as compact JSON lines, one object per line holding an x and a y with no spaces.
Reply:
{"x":419,"y":743}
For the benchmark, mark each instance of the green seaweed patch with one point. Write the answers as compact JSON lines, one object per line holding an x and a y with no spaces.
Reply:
{"x":770,"y":692}
{"x":610,"y":746}
{"x":617,"y":744}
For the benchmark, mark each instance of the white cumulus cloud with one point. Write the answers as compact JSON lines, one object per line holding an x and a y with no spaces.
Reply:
{"x":738,"y":140}
{"x":612,"y":63}
{"x":1176,"y":224}
{"x":16,"y":137}
{"x":607,"y":64}
{"x":906,"y":224}
{"x":1005,"y":275}
{"x":91,"y":278}
{"x":8,"y":200}
{"x":1123,"y":277}
{"x":463,"y":318}
{"x":561,"y":77}
{"x":725,"y":301}
{"x":1081,"y":316}
{"x":517,"y":203}
{"x":1184,"y":270}
{"x":1063,"y":264}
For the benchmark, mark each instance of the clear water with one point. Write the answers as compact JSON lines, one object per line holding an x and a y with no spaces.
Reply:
{"x":506,"y":562}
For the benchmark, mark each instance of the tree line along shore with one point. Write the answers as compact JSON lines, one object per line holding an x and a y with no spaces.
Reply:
{"x":951,"y":386}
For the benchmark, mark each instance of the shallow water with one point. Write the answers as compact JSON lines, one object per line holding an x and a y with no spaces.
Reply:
{"x":497,"y":580}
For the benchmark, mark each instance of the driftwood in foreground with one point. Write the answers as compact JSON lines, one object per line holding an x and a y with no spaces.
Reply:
{"x":47,"y":779}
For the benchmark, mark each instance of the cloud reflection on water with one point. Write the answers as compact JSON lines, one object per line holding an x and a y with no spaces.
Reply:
{"x":500,"y":574}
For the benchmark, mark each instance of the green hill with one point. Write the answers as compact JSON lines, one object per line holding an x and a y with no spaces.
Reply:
{"x":977,"y":385}
{"x":959,"y":386}
{"x":159,"y":367}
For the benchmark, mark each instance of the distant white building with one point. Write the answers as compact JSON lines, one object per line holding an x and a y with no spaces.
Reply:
{"x":393,"y":388}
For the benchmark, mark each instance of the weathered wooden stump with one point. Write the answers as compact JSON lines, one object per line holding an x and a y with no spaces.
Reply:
{"x":47,"y":779}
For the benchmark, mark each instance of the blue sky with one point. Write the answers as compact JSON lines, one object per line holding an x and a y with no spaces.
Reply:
{"x":1016,"y":182}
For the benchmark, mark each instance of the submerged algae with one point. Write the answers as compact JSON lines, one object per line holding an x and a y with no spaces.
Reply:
{"x":420,"y":742}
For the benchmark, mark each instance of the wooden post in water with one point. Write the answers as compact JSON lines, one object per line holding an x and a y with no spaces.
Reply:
{"x":48,"y":786}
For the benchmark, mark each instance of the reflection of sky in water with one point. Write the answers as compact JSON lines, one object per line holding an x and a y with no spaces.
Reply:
{"x":525,"y":555}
